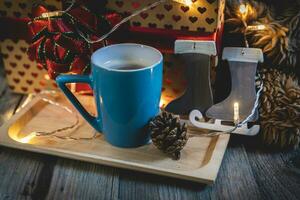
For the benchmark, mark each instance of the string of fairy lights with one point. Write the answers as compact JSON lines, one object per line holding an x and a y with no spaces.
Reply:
{"x":244,"y":11}
{"x":123,"y":21}
{"x":43,"y":94}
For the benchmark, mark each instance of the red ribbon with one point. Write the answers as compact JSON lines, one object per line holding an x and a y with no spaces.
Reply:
{"x":56,"y":42}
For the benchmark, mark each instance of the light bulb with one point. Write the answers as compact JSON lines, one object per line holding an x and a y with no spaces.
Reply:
{"x":261,"y":27}
{"x":162,"y":103}
{"x":27,"y":138}
{"x":236,"y":112}
{"x":243,"y":9}
{"x":47,"y":77}
{"x":52,"y":14}
{"x":256,"y":27}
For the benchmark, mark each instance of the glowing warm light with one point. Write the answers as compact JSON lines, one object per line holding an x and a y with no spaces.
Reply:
{"x":52,"y":14}
{"x":257,"y":27}
{"x":162,"y":103}
{"x":185,"y":2}
{"x":243,"y":9}
{"x":261,"y":27}
{"x":47,"y":77}
{"x":236,"y":113}
{"x":27,"y":138}
{"x":73,"y":87}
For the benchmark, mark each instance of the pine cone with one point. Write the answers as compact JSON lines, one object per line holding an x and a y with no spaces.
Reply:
{"x":280,"y":109}
{"x":294,"y":44}
{"x":168,"y":134}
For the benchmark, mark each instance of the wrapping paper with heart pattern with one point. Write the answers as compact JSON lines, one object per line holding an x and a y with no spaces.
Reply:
{"x":25,"y":76}
{"x":202,"y":16}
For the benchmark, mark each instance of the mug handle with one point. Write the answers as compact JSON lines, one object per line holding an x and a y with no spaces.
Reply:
{"x":62,"y":80}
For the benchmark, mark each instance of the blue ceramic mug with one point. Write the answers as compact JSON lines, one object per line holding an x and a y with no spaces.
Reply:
{"x":126,"y":81}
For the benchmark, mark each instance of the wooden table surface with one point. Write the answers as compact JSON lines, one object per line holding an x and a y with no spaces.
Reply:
{"x":248,"y":171}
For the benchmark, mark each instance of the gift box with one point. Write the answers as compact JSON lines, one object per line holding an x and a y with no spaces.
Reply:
{"x":202,"y":16}
{"x":162,"y":25}
{"x":23,"y":75}
{"x":26,"y":76}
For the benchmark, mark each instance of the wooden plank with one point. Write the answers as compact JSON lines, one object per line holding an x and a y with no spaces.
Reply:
{"x":271,"y":169}
{"x":17,"y":181}
{"x":19,"y":171}
{"x":20,"y":174}
{"x":79,"y":180}
{"x":8,"y":197}
{"x":135,"y":185}
{"x":235,"y":181}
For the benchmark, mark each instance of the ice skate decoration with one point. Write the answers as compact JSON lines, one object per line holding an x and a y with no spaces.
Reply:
{"x":198,"y":95}
{"x":240,"y":107}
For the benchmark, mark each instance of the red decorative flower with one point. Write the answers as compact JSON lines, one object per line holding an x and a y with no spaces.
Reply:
{"x":57,"y":43}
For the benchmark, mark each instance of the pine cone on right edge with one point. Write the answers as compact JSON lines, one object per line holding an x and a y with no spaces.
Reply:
{"x":293,"y":57}
{"x":280,"y":109}
{"x":168,"y":134}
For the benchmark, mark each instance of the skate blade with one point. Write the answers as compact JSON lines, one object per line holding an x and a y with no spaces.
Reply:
{"x":196,"y":119}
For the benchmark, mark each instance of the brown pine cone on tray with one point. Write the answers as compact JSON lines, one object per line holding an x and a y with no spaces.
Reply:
{"x":280,"y":109}
{"x":168,"y":134}
{"x":294,"y":43}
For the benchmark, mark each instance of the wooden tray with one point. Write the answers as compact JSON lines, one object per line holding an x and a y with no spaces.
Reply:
{"x":200,"y":159}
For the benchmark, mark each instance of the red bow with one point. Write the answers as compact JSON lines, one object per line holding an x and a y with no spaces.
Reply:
{"x":57,"y":44}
